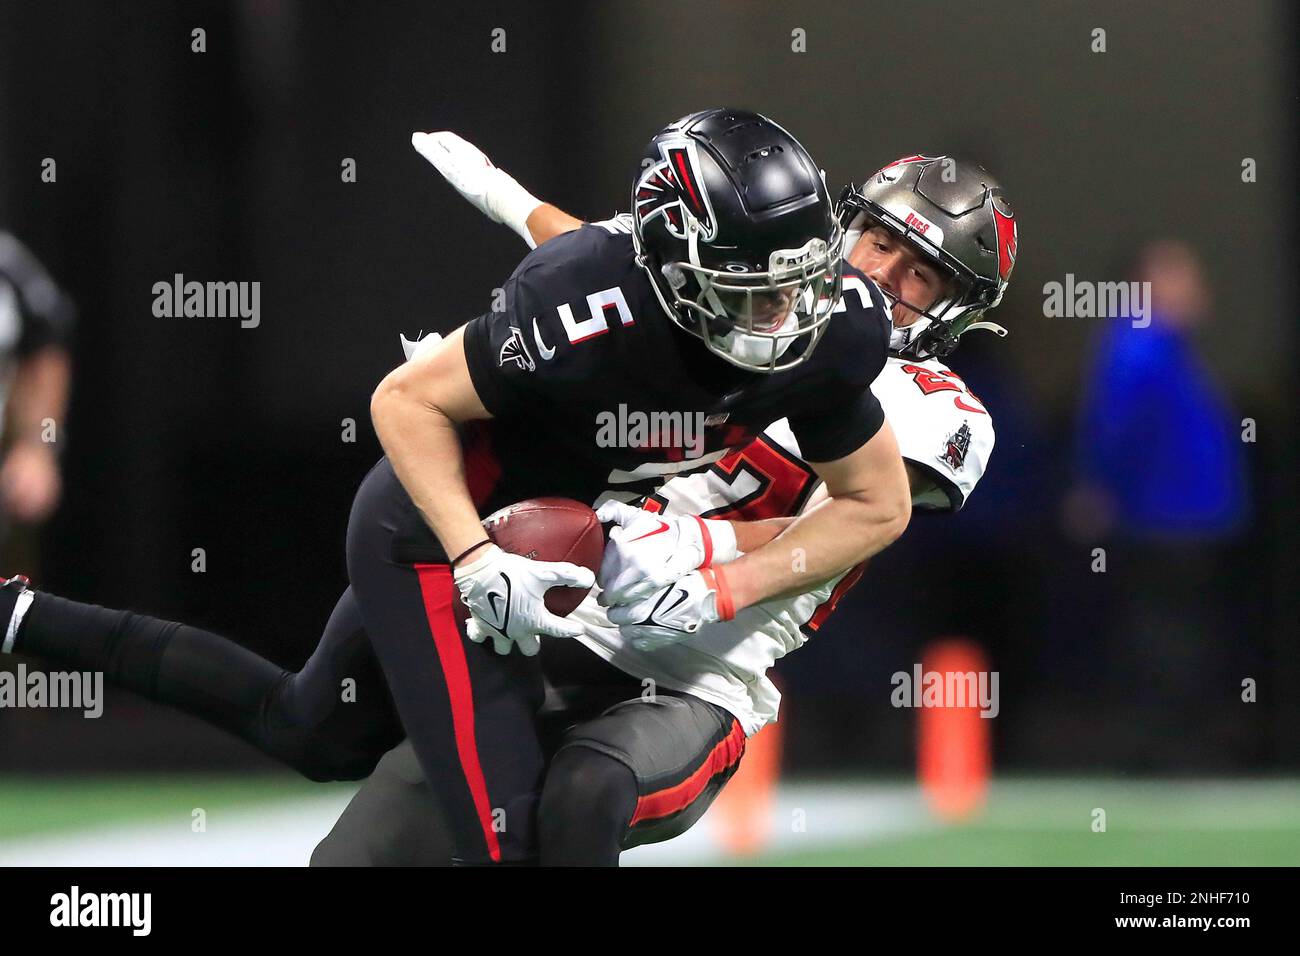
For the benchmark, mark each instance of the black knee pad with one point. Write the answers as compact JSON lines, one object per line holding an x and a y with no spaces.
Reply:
{"x":587,"y":804}
{"x":581,"y":779}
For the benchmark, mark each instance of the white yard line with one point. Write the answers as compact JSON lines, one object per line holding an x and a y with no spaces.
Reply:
{"x":284,"y":834}
{"x":278,"y":834}
{"x":806,"y":816}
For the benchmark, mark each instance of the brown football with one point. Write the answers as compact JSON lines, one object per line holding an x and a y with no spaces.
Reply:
{"x":551,"y":529}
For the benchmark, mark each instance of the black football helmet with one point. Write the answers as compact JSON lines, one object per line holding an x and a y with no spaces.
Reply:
{"x":956,"y":214}
{"x":733,"y":224}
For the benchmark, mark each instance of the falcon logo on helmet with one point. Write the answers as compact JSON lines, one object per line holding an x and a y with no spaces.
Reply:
{"x":673,"y":185}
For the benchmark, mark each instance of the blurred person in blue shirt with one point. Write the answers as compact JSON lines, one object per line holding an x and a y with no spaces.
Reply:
{"x":1160,"y":450}
{"x":1161,"y":484}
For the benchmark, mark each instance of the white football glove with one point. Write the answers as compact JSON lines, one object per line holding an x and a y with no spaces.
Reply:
{"x":494,"y":192}
{"x":647,"y":552}
{"x":413,"y":350}
{"x":675,"y":612}
{"x":506,"y":595}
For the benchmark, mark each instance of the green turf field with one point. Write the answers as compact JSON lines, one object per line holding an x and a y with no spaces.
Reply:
{"x":50,"y":805}
{"x":850,"y":823}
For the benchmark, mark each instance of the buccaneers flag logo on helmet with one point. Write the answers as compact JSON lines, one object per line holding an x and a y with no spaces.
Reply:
{"x":1006,"y":226}
{"x":671,"y":186}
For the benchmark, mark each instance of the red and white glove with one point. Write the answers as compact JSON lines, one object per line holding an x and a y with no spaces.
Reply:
{"x":676,"y":612}
{"x":647,"y":552}
{"x":506,"y":597}
{"x":492,"y":191}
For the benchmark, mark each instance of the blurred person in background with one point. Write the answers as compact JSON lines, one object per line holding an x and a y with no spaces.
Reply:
{"x":35,"y":321}
{"x":1161,"y":484}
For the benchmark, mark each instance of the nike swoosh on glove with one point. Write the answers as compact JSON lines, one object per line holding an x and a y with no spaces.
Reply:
{"x":492,"y":191}
{"x":506,"y":597}
{"x":676,"y":612}
{"x":646,"y":552}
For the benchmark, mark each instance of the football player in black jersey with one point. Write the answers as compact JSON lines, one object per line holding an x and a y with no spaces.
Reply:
{"x":721,"y":306}
{"x":735,"y":240}
{"x":942,"y":289}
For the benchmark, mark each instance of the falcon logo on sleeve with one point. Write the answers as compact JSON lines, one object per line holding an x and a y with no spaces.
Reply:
{"x":514,"y":351}
{"x":955,"y":447}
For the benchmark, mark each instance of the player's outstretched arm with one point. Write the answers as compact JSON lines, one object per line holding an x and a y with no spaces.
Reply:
{"x":547,"y":222}
{"x":490,"y":189}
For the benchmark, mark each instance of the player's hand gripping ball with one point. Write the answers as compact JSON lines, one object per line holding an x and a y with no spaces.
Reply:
{"x":538,"y":569}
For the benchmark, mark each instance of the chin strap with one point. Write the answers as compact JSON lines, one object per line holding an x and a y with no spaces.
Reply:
{"x":987,"y":327}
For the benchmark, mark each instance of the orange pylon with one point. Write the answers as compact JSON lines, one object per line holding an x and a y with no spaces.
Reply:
{"x":741,"y":816}
{"x":954,"y":743}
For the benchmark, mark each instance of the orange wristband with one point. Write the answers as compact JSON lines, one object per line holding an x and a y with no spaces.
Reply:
{"x":717,"y":581}
{"x":708,"y":542}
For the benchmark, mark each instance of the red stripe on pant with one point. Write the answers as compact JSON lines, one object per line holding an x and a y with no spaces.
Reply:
{"x":666,"y":802}
{"x":437,"y":590}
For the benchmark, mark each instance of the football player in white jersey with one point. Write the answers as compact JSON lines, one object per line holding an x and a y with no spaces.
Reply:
{"x":938,"y":238}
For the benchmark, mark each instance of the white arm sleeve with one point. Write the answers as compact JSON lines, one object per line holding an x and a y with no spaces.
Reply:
{"x":941,"y":427}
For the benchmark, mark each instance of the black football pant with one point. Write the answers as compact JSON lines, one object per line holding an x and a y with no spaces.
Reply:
{"x":643,"y":771}
{"x":486,"y":728}
{"x":393,"y":661}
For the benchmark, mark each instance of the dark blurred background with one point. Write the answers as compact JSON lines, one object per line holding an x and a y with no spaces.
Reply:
{"x":225,"y":165}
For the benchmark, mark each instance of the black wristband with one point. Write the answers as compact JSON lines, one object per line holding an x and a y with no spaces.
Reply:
{"x":460,"y":557}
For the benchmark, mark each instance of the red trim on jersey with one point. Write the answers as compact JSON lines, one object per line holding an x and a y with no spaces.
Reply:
{"x":670,"y":800}
{"x":929,"y":381}
{"x":826,"y":607}
{"x":609,"y":307}
{"x":584,"y":338}
{"x":437,"y":590}
{"x":784,"y":482}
